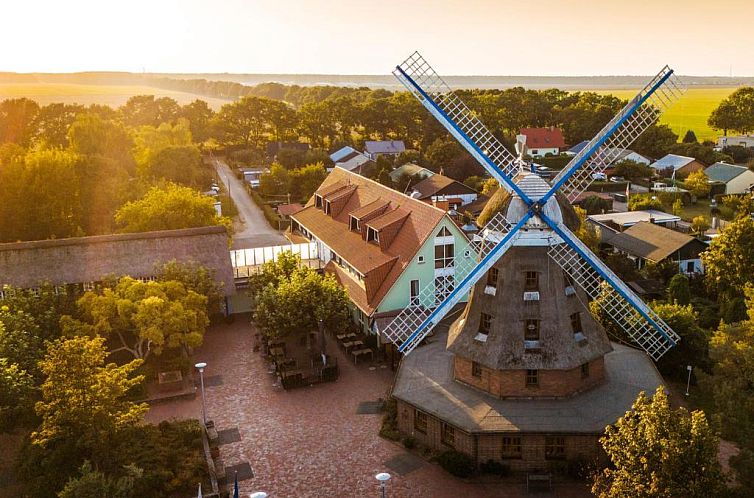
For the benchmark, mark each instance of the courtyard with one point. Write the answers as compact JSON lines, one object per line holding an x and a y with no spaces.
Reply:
{"x":315,"y":441}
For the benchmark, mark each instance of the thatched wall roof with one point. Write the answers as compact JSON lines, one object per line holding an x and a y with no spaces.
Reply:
{"x":90,"y":259}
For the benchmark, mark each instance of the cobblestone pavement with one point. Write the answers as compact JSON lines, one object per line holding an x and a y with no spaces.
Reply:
{"x":310,"y":442}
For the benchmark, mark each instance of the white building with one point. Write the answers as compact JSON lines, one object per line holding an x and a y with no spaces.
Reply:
{"x":375,"y":148}
{"x":741,"y":140}
{"x":737,"y":179}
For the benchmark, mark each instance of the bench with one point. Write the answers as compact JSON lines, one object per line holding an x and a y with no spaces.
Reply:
{"x":537,"y":479}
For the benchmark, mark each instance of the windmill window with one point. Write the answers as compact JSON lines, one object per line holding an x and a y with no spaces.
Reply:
{"x":511,"y":447}
{"x":476,"y":370}
{"x":448,"y":435}
{"x":420,"y":421}
{"x":485,"y":323}
{"x":531,"y":283}
{"x":492,"y":275}
{"x":444,"y":255}
{"x":532,"y":378}
{"x":585,"y":370}
{"x":531,"y":329}
{"x":554,"y":448}
{"x":576,"y":323}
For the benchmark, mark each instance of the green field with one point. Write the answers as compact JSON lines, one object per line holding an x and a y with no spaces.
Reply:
{"x":112,"y":95}
{"x":690,"y":112}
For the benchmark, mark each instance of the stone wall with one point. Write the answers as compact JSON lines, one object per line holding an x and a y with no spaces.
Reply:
{"x":512,"y":383}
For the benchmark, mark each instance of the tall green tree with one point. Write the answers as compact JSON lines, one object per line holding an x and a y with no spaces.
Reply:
{"x":199,"y":115}
{"x":16,"y":394}
{"x":658,"y":452}
{"x":95,"y":484}
{"x":243,"y":122}
{"x":147,"y":318}
{"x":729,"y":261}
{"x":52,"y":123}
{"x":736,"y":112}
{"x":698,"y":183}
{"x":17,"y":120}
{"x":656,"y":141}
{"x":690,"y":137}
{"x":141,"y":110}
{"x":169,"y":208}
{"x":84,"y":399}
{"x":298,"y":301}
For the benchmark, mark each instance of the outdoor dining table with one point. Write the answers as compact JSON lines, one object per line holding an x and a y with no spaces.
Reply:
{"x":356,"y":353}
{"x":353,"y":344}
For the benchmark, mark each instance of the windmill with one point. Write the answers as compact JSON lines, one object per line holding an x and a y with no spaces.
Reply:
{"x":534,"y":217}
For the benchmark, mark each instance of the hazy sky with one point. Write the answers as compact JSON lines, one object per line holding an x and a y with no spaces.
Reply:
{"x":534,"y":37}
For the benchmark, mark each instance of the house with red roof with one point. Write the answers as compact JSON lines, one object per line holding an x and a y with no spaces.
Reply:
{"x":382,"y":246}
{"x":543,"y":141}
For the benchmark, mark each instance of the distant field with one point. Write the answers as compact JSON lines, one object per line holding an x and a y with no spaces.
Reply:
{"x":691,"y":112}
{"x":112,"y":95}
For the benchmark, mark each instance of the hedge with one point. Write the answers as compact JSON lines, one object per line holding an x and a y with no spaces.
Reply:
{"x":269,"y":214}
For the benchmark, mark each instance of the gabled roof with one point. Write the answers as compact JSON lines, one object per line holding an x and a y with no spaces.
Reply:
{"x":578,"y":147}
{"x":417,"y":221}
{"x":672,"y":161}
{"x":629,"y":218}
{"x":724,"y":172}
{"x":436,"y":183}
{"x":384,"y":146}
{"x":652,"y":242}
{"x":410,"y":169}
{"x":289,"y":209}
{"x":339,"y":154}
{"x":537,"y":138}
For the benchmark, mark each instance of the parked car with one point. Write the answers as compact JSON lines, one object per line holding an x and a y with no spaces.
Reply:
{"x":617,"y":179}
{"x":599,"y":177}
{"x":618,"y":197}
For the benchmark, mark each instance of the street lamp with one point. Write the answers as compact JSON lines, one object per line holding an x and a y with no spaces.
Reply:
{"x":688,"y":381}
{"x":201,"y":366}
{"x":258,"y":494}
{"x":383,"y":477}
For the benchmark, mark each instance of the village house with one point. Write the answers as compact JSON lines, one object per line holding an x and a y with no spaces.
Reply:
{"x":737,"y":179}
{"x":679,"y":166}
{"x":376,"y":148}
{"x":646,"y":242}
{"x":415,"y":171}
{"x":543,"y":141}
{"x":739,"y":140}
{"x":612,"y":223}
{"x":383,"y":246}
{"x":439,"y":188}
{"x":350,"y":159}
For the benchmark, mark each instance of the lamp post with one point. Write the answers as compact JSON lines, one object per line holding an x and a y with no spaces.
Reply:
{"x":383,"y":477}
{"x":201,"y":366}
{"x":688,"y":381}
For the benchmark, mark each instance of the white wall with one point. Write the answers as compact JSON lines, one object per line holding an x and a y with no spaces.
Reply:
{"x":543,"y":151}
{"x":741,"y":183}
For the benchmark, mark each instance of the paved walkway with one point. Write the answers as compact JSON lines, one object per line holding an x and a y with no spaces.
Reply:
{"x":310,"y":442}
{"x":251,"y":228}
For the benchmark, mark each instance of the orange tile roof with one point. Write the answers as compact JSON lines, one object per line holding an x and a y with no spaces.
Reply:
{"x":369,"y":208}
{"x":543,"y":138}
{"x":388,"y":218}
{"x":420,"y":220}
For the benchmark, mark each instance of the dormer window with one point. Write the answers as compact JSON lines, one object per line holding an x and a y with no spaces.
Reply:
{"x":373,"y":235}
{"x":354,"y":226}
{"x":327,"y":207}
{"x":318,"y":201}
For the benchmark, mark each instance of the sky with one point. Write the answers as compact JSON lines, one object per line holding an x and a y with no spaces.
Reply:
{"x":471,"y":37}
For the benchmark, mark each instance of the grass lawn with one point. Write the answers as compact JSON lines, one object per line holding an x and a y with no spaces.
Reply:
{"x":690,"y":112}
{"x":693,"y":210}
{"x":112,"y":95}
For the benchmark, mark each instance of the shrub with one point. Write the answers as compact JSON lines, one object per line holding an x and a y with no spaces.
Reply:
{"x":389,"y":429}
{"x":495,"y":468}
{"x":457,"y":463}
{"x":409,"y":443}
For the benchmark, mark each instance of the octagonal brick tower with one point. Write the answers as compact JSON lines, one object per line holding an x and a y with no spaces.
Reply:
{"x":526,"y":330}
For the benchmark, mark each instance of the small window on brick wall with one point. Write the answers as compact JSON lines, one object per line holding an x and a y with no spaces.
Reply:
{"x":448,"y":435}
{"x":476,"y":370}
{"x":511,"y":447}
{"x":532,"y":378}
{"x":554,"y":448}
{"x":420,"y":421}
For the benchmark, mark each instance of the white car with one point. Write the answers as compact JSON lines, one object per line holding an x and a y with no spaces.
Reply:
{"x":599,"y":176}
